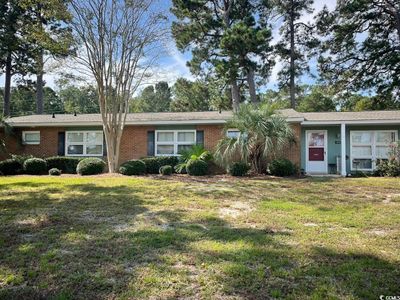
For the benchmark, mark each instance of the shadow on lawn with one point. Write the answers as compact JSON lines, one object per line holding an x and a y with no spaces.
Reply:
{"x":76,"y":253}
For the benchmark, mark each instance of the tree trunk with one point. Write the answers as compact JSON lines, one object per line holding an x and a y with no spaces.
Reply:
{"x":398,"y":24}
{"x":235,"y":95}
{"x":39,"y":84}
{"x":252,"y":86}
{"x":7,"y":86}
{"x":292,"y":59}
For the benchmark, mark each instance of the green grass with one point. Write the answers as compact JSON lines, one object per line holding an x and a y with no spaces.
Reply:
{"x":140,"y":238}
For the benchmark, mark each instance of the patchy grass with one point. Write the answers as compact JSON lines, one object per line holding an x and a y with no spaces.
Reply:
{"x":140,"y":238}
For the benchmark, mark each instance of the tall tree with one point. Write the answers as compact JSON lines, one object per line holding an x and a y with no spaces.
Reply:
{"x":225,"y":41}
{"x":199,"y":95}
{"x":79,"y":99}
{"x":153,"y":98}
{"x":362,"y":48}
{"x":297,"y":41}
{"x":317,"y":98}
{"x":50,"y":36}
{"x":121,"y":40}
{"x":16,"y":56}
{"x":22,"y":100}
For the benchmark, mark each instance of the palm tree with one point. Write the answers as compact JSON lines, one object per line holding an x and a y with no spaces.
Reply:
{"x":263,"y":132}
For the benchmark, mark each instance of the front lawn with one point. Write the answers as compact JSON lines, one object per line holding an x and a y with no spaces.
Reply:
{"x":139,"y":238}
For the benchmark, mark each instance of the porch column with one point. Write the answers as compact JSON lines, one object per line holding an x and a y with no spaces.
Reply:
{"x":343,"y":171}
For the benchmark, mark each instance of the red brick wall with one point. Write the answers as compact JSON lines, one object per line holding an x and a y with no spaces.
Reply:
{"x":292,"y":152}
{"x":134,"y":142}
{"x":48,"y":142}
{"x":212,"y":134}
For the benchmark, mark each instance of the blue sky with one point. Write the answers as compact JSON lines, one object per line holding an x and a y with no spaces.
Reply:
{"x":172,"y":64}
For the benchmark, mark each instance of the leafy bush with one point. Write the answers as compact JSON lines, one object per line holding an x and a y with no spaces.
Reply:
{"x":21,"y":158}
{"x":166,"y":170}
{"x":238,"y":168}
{"x":196,"y":152}
{"x":133,"y":167}
{"x":390,"y":167}
{"x":197,"y":167}
{"x":54,"y":172}
{"x":153,"y":164}
{"x":90,"y":166}
{"x":10,"y":167}
{"x":65,"y":164}
{"x":35,"y":166}
{"x":282,"y":167}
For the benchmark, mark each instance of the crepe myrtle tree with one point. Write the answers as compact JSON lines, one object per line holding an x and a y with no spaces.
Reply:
{"x":120,"y":41}
{"x":263,"y":133}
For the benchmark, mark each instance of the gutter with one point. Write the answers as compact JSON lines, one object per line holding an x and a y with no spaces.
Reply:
{"x":349,"y":122}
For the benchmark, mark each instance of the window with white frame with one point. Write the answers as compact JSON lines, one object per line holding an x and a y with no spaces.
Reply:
{"x":172,"y":142}
{"x":233,"y":133}
{"x":84,"y":143}
{"x":367,"y":147}
{"x":31,"y":137}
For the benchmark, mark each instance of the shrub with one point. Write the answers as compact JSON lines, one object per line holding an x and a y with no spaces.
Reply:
{"x":238,"y":168}
{"x":389,"y":168}
{"x":197,"y":167}
{"x":90,"y":166}
{"x":54,"y":172}
{"x":282,"y":167}
{"x":21,"y":158}
{"x":153,"y":164}
{"x":133,"y":167}
{"x":10,"y":167}
{"x":166,"y":170}
{"x":35,"y":166}
{"x":65,"y":164}
{"x":196,"y":152}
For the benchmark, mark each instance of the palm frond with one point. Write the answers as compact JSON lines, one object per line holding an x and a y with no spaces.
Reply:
{"x":263,"y":133}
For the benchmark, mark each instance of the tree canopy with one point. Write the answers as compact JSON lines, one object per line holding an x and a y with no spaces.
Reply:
{"x":361,"y":50}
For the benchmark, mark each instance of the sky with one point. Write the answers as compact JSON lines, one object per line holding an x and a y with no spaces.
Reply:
{"x":172,"y":64}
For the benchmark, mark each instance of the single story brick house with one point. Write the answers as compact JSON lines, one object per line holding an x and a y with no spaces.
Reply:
{"x":326,"y":142}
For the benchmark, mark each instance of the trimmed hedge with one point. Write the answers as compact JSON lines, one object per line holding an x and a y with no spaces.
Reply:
{"x":65,"y":164}
{"x":10,"y":167}
{"x":21,"y":158}
{"x":166,"y":170}
{"x":282,"y":167}
{"x":238,"y":168}
{"x":153,"y":164}
{"x":197,"y":167}
{"x":90,"y":166}
{"x":133,"y":167}
{"x":35,"y":166}
{"x":54,"y":172}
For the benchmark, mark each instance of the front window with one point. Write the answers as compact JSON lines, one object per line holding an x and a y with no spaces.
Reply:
{"x":172,"y":142}
{"x":84,"y":143}
{"x":31,"y":137}
{"x":233,"y":133}
{"x":368,"y":147}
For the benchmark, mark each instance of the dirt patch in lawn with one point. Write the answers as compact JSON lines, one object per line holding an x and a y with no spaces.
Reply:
{"x":235,"y":210}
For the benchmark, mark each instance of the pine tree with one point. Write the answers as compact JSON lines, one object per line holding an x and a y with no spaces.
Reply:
{"x":225,"y":41}
{"x":362,"y":48}
{"x":296,"y":44}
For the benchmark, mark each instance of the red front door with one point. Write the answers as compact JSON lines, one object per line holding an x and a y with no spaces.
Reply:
{"x":316,"y":151}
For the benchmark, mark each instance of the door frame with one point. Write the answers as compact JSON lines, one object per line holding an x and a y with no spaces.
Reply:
{"x":325,"y":171}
